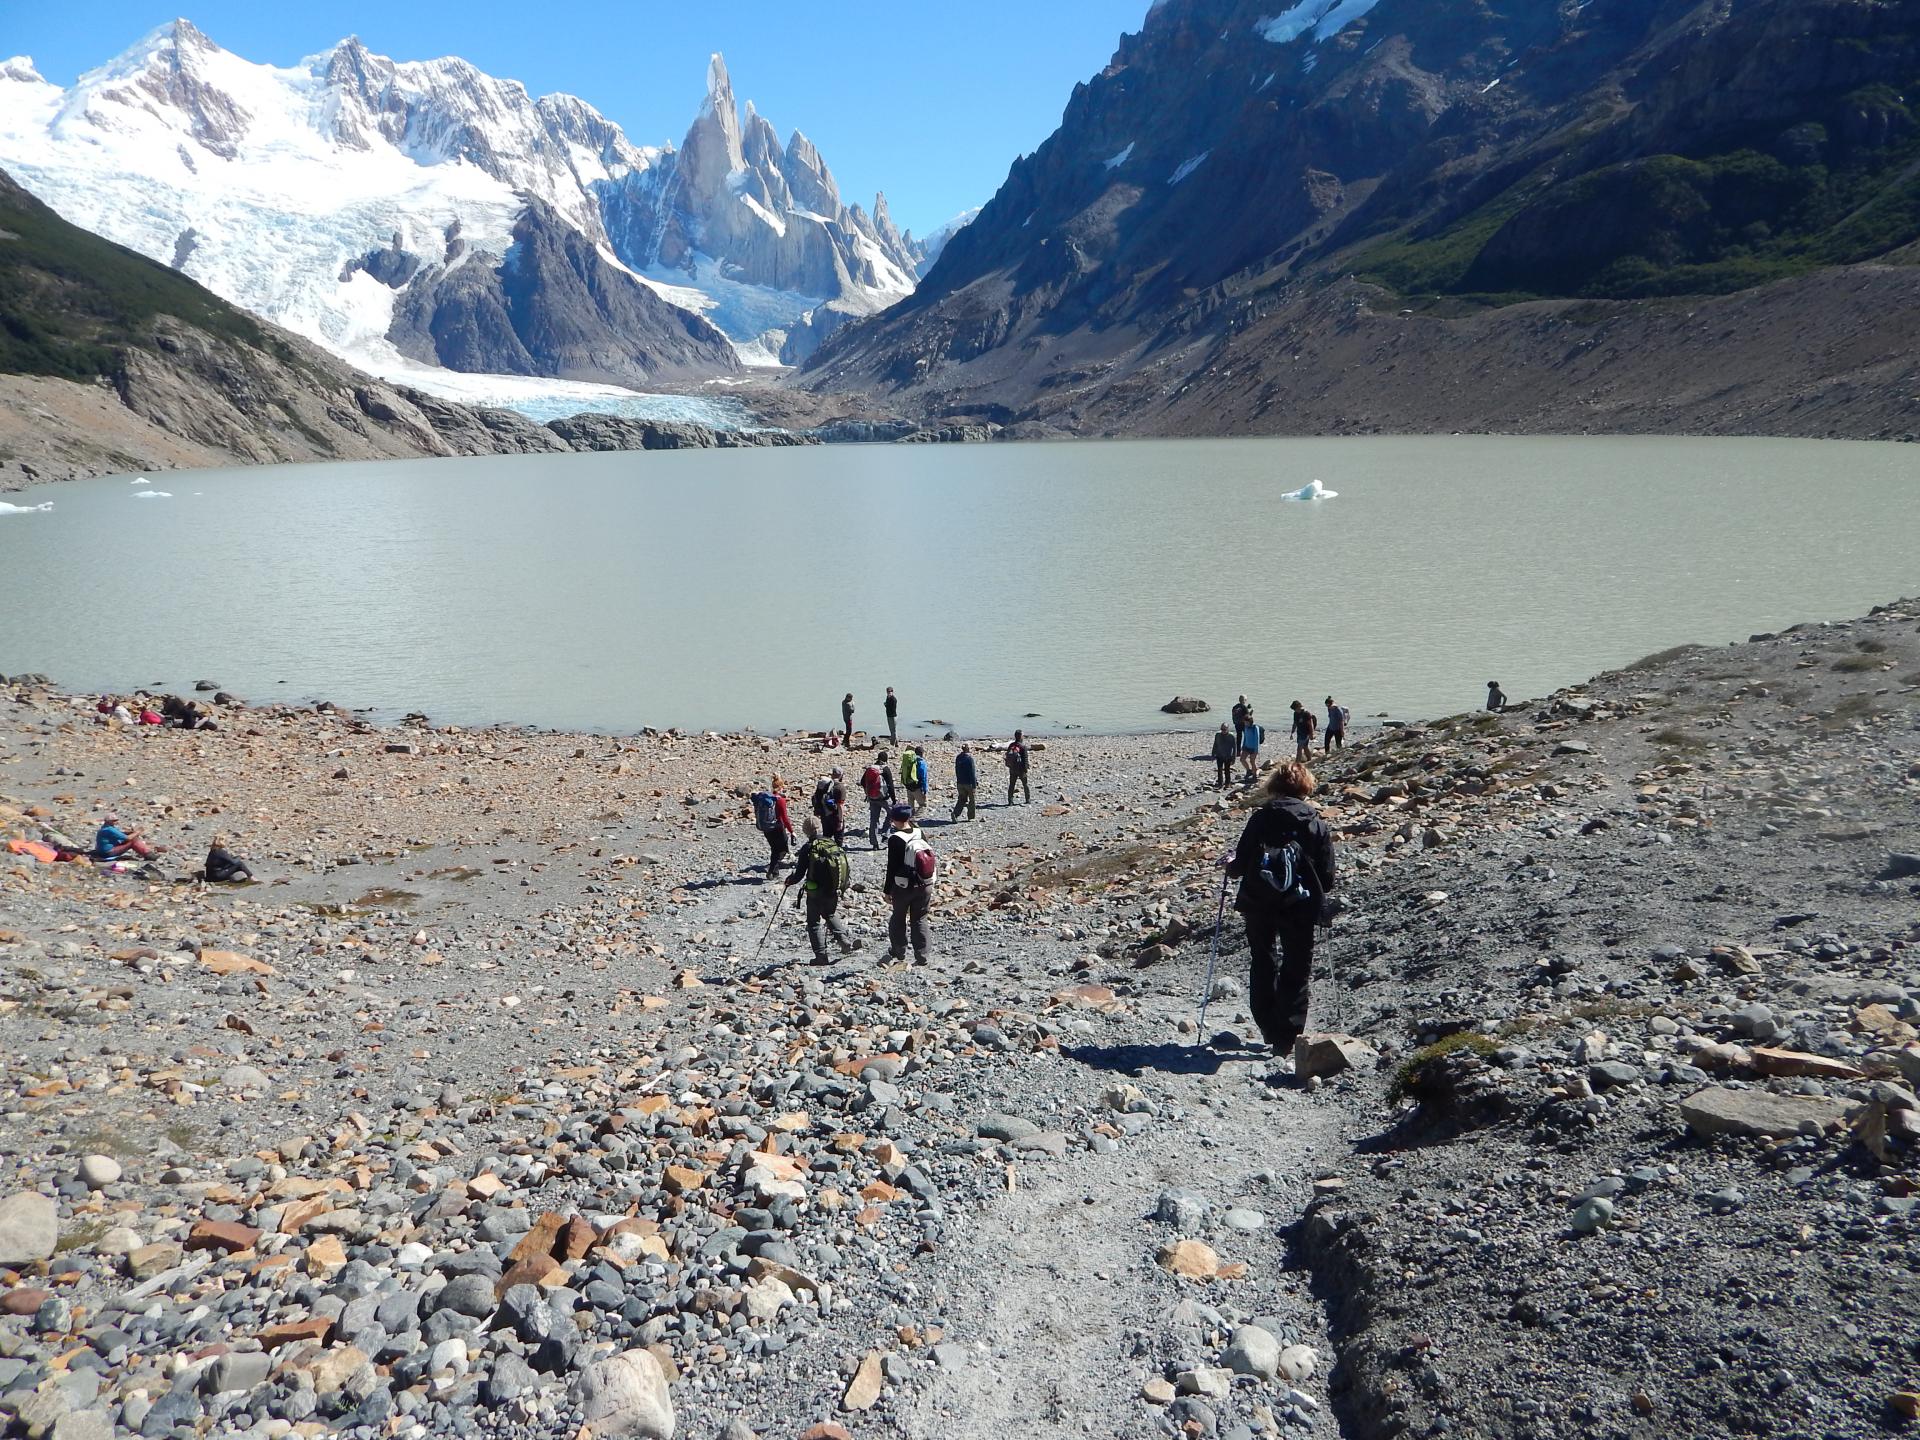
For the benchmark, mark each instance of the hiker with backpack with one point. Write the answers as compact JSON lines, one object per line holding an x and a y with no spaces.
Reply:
{"x":915,"y":771}
{"x":1250,"y":736}
{"x":1225,"y":746}
{"x":830,"y":805}
{"x":876,"y":783}
{"x":846,"y":719}
{"x":1285,"y":866}
{"x":910,"y":871}
{"x":1336,"y":728}
{"x":1019,"y":761}
{"x":966,"y":783}
{"x":1303,"y":727}
{"x":909,"y":771}
{"x":770,"y":815}
{"x":823,"y":868}
{"x":1242,"y":712}
{"x":893,"y":718}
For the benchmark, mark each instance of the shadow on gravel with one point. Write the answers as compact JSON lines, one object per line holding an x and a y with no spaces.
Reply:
{"x":754,"y":878}
{"x":1138,"y":1059}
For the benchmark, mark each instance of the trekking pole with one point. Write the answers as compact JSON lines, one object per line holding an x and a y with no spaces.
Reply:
{"x":1219,"y":918}
{"x":777,"y":902}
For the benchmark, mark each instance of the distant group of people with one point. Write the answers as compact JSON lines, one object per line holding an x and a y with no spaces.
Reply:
{"x":1241,"y":740}
{"x":117,"y":846}
{"x":897,"y":795}
{"x":140,"y":708}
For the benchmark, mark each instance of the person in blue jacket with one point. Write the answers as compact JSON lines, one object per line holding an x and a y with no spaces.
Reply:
{"x":1250,"y":736}
{"x":966,"y":782}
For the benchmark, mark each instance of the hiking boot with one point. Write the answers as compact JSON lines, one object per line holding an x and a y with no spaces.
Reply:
{"x":820,"y":960}
{"x":852,"y":946}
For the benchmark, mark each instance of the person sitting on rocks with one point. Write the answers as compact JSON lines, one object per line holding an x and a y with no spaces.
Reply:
{"x":1496,"y":697}
{"x":223,"y":867}
{"x":110,"y":842}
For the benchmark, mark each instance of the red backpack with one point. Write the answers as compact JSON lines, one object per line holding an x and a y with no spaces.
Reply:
{"x":870,"y":782}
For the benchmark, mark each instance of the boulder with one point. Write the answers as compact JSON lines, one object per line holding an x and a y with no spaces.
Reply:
{"x":1253,"y":1351}
{"x":1329,"y":1054}
{"x":1718,"y":1110}
{"x":29,"y":1228}
{"x":1185,"y":705}
{"x":625,"y":1395}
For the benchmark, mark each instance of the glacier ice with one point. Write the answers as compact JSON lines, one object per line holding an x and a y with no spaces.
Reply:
{"x":1312,"y":490}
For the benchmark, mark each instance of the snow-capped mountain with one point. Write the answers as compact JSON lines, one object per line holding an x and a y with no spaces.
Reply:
{"x":416,"y":214}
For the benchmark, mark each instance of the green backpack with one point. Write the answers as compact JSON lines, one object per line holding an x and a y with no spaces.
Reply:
{"x":828,"y":872}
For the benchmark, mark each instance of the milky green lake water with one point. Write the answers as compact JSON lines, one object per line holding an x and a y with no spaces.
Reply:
{"x":1087,"y":582}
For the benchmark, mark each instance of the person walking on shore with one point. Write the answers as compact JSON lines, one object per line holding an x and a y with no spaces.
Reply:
{"x":1019,"y":762}
{"x":1242,"y":712}
{"x":1336,"y":728}
{"x":1225,"y":746}
{"x":909,"y":887}
{"x":893,"y":718}
{"x":770,"y":815}
{"x":830,"y":804}
{"x":966,"y":783}
{"x":1303,"y":727}
{"x":909,"y":772}
{"x":876,"y":783}
{"x":922,"y":779}
{"x":1285,"y":865}
{"x":822,"y":866}
{"x":1496,"y":697}
{"x":846,"y":720}
{"x":1250,"y":746}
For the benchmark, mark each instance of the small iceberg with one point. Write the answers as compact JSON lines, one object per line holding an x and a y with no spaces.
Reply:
{"x":1312,"y":490}
{"x":143,"y":480}
{"x":6,"y":509}
{"x":153,"y":494}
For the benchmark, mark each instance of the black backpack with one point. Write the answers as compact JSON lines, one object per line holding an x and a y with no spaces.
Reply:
{"x":1286,"y":874}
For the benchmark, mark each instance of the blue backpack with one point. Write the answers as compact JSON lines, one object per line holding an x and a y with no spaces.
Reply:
{"x":766,"y":814}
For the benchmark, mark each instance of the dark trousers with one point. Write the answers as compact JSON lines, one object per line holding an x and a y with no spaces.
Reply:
{"x":876,"y":822}
{"x":1336,"y":740}
{"x":1019,"y":778}
{"x":823,"y":919}
{"x":893,"y":729}
{"x":1278,"y":994}
{"x":963,"y":800}
{"x":777,"y":846}
{"x":1223,"y":772}
{"x":909,"y":917}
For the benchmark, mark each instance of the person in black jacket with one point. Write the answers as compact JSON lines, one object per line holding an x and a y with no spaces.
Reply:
{"x":1225,"y":747}
{"x":222,"y":866}
{"x":893,"y":717}
{"x":909,"y":893}
{"x":1278,"y":995}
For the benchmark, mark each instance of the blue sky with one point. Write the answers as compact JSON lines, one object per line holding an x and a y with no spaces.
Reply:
{"x":930,"y":103}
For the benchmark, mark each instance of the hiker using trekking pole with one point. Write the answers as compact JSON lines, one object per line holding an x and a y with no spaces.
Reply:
{"x":822,"y":866}
{"x":830,"y":805}
{"x":893,"y":718}
{"x":846,"y":718}
{"x":1337,"y":716}
{"x":1019,"y":760}
{"x":1303,"y":727}
{"x":1224,"y":746}
{"x":770,"y":815}
{"x":1285,"y":865}
{"x":876,"y":783}
{"x":966,"y":781}
{"x":910,"y":870}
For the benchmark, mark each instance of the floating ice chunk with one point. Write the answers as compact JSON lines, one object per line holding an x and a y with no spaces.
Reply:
{"x":142,"y":480}
{"x":1312,"y":490}
{"x":6,"y":509}
{"x":153,"y":494}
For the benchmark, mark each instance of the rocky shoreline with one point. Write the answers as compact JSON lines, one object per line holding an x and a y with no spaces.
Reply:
{"x":505,"y":1102}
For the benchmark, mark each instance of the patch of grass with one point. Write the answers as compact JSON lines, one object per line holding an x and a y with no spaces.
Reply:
{"x":385,"y":898}
{"x":1660,"y":659}
{"x":184,"y":1137}
{"x":1849,"y":709}
{"x":106,"y":1142}
{"x":1411,"y":1075}
{"x":83,"y":1236}
{"x":1678,"y":739}
{"x":1870,"y":645}
{"x":1913,"y":679}
{"x":1856,"y":664}
{"x":1103,"y":865}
